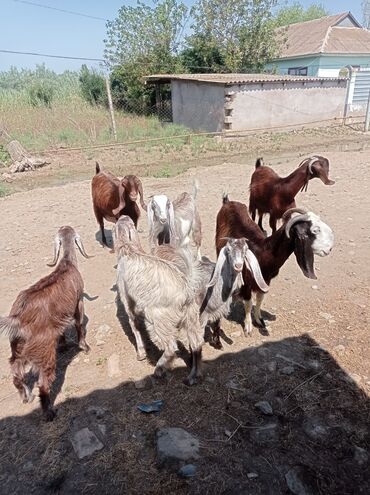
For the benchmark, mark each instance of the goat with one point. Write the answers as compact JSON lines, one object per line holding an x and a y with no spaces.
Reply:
{"x":272,"y":194}
{"x":113,"y":197}
{"x":39,"y":317}
{"x":172,"y":222}
{"x":158,"y":292}
{"x":304,"y":234}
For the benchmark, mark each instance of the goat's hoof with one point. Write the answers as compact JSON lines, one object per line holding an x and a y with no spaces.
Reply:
{"x":140,"y":355}
{"x":247,"y":332}
{"x":192,"y":380}
{"x":84,"y":347}
{"x":49,"y":415}
{"x":159,"y":372}
{"x":217,"y":344}
{"x":28,"y":399}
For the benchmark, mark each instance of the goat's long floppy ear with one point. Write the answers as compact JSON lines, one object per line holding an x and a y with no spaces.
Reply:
{"x":57,"y":244}
{"x":140,"y":189}
{"x":121,"y":193}
{"x":303,"y":250}
{"x":150,"y":214}
{"x":80,"y":246}
{"x":171,"y":224}
{"x":218,"y":268}
{"x":254,"y":267}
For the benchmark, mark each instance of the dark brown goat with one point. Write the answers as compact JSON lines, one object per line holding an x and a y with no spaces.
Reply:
{"x":39,"y":317}
{"x":304,"y":234}
{"x":113,"y":197}
{"x":272,"y":194}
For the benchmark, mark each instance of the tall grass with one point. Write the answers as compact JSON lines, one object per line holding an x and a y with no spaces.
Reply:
{"x":71,"y":121}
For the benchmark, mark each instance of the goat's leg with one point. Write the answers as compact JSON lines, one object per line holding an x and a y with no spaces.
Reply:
{"x":100,"y":220}
{"x":260,"y":219}
{"x":46,"y":378}
{"x":272,"y":223}
{"x":253,"y":213}
{"x":80,"y":327}
{"x":196,"y":368}
{"x":257,"y":310}
{"x":248,"y":318}
{"x":164,"y":362}
{"x":216,"y":330}
{"x":140,"y":349}
{"x":18,"y":372}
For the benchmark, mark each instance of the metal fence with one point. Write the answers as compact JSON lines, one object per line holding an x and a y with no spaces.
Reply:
{"x":358,"y":90}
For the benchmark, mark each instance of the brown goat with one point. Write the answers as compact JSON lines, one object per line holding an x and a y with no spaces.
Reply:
{"x":304,"y":235}
{"x":39,"y":317}
{"x":113,"y":197}
{"x":272,"y":194}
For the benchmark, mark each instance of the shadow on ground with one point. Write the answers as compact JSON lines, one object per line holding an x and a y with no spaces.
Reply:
{"x":319,"y":427}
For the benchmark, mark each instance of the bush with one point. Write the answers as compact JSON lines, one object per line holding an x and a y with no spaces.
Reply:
{"x":41,"y":94}
{"x":92,"y":86}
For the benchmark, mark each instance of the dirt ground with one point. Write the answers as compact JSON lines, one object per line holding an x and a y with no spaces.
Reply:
{"x":313,"y":366}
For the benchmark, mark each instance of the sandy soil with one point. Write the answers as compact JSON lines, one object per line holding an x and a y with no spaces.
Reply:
{"x":322,"y":325}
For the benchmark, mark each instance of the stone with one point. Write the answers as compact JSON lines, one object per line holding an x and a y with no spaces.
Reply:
{"x":188,"y":470}
{"x":113,"y":366}
{"x":252,"y":476}
{"x":287,"y":370}
{"x":361,"y":456}
{"x":97,"y":411}
{"x":314,"y":287}
{"x":143,"y":384}
{"x":28,"y":466}
{"x":316,"y":428}
{"x":301,"y":481}
{"x":264,"y":407}
{"x":235,"y":334}
{"x":326,"y":316}
{"x":85,"y":443}
{"x":339,"y":349}
{"x":271,"y":366}
{"x":176,"y":446}
{"x":265,"y":434}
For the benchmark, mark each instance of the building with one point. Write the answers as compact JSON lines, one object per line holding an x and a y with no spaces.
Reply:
{"x":322,"y":47}
{"x":216,"y":102}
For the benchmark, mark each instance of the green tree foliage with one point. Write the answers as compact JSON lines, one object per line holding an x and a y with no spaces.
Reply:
{"x":92,"y":86}
{"x":297,"y":13}
{"x":232,"y":35}
{"x":41,"y":93}
{"x":142,"y":40}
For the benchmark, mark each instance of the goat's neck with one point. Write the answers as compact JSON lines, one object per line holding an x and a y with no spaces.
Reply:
{"x":278,"y":248}
{"x":295,"y":181}
{"x":70,"y":253}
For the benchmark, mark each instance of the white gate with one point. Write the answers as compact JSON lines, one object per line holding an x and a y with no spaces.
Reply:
{"x":358,"y":91}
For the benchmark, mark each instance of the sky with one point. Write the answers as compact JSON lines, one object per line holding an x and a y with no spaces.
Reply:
{"x":29,"y":28}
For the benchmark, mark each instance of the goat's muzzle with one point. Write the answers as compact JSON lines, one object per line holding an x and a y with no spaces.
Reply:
{"x":238,"y":267}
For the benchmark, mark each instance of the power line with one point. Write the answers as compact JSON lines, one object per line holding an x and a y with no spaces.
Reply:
{"x":52,"y":56}
{"x":71,"y":12}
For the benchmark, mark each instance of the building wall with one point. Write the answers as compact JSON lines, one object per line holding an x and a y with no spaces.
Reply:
{"x":262,"y":106}
{"x":199,"y":106}
{"x":320,"y":66}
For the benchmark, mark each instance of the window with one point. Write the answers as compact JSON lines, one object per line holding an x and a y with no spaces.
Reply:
{"x":297,"y":71}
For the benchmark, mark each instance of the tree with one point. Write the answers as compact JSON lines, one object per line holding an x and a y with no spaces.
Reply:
{"x":366,"y":13}
{"x":144,"y":40}
{"x":297,"y":13}
{"x":92,"y":86}
{"x":237,"y":34}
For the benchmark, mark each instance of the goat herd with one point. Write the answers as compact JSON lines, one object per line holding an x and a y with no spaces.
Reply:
{"x":171,"y":292}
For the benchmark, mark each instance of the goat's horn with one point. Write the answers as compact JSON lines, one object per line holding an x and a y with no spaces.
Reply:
{"x":313,"y":159}
{"x":57,"y":245}
{"x":81,"y":248}
{"x":287,"y":214}
{"x":293,"y":220}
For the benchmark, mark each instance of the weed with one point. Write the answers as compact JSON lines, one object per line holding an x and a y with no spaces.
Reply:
{"x":4,"y":156}
{"x":100,"y":361}
{"x":4,"y":190}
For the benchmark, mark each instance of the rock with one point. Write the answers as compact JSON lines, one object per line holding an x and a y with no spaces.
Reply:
{"x":271,"y":366}
{"x":102,"y":428}
{"x":235,"y":334}
{"x":175,"y":446}
{"x":326,"y":316}
{"x":144,"y":384}
{"x":314,"y":287}
{"x":102,"y":332}
{"x":113,"y":366}
{"x":339,"y":349}
{"x":233,"y":384}
{"x":28,"y":466}
{"x":301,"y":481}
{"x":100,"y":342}
{"x":265,"y":434}
{"x":97,"y":411}
{"x":264,"y":407}
{"x":252,"y":476}
{"x":316,"y":428}
{"x":188,"y":470}
{"x":287,"y":370}
{"x":85,"y":443}
{"x":210,"y":379}
{"x":361,"y":456}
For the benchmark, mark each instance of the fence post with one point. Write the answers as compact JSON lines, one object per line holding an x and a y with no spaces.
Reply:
{"x":107,"y":83}
{"x":367,"y":117}
{"x":349,"y":92}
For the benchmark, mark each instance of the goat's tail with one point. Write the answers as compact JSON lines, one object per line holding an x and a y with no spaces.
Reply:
{"x":195,"y":188}
{"x":97,"y":167}
{"x":11,"y":327}
{"x":225,"y":198}
{"x":259,"y":162}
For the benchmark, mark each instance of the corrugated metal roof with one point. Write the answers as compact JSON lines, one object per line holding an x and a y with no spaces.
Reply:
{"x":230,"y":79}
{"x":324,"y":35}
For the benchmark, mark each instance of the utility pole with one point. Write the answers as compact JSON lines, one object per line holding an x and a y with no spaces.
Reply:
{"x":366,"y":13}
{"x":367,"y":118}
{"x":111,"y":111}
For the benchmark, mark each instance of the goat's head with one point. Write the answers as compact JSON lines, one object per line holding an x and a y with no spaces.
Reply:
{"x":124,"y":231}
{"x":66,"y":237}
{"x":310,"y":236}
{"x":318,"y":166}
{"x":160,"y":210}
{"x":133,"y":188}
{"x":237,"y":253}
